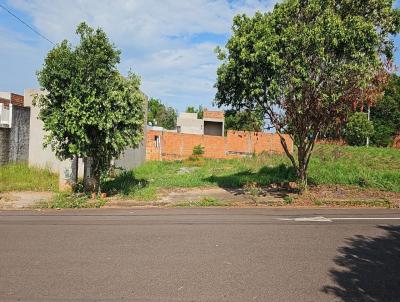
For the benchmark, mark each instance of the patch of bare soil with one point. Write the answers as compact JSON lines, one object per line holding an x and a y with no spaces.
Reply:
{"x":20,"y":200}
{"x":272,"y":196}
{"x":231,"y":197}
{"x":347,"y":196}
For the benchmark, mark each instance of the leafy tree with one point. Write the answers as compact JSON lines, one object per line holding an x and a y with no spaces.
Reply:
{"x":358,"y":129}
{"x":303,"y":62}
{"x":199,"y":111}
{"x":244,"y":120}
{"x":160,"y":115}
{"x":386,"y":114}
{"x":90,"y":110}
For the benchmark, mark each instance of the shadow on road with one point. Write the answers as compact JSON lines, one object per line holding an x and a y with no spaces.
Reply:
{"x":369,"y":268}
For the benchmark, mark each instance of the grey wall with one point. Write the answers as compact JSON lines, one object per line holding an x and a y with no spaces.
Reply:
{"x":132,"y":158}
{"x":4,"y":145}
{"x":19,"y":134}
{"x":38,"y":156}
{"x":213,"y":128}
{"x":14,"y":141}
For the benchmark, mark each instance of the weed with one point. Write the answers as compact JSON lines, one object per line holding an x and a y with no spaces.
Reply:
{"x":355,"y":203}
{"x":288,"y":199}
{"x":64,"y":201}
{"x":206,"y":202}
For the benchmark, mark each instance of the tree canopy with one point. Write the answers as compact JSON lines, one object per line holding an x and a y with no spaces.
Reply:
{"x":160,"y":115}
{"x":302,"y":64}
{"x":386,"y":114}
{"x":199,"y":111}
{"x":89,"y":109}
{"x":244,"y":120}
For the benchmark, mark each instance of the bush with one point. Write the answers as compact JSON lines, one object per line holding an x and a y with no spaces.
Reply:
{"x":358,"y":128}
{"x":383,"y":134}
{"x":198,"y":150}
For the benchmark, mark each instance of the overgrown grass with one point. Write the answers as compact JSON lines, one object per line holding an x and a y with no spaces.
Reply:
{"x":20,"y":177}
{"x":360,"y":166}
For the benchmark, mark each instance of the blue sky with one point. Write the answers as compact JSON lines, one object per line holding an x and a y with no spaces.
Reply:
{"x":169,"y":43}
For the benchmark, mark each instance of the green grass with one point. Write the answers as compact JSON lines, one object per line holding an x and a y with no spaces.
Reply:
{"x":20,"y":177}
{"x":206,"y":202}
{"x":359,"y":166}
{"x":72,"y":201}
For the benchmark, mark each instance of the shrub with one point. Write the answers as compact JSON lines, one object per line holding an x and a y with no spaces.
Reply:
{"x":383,"y":134}
{"x":358,"y":128}
{"x":198,"y":150}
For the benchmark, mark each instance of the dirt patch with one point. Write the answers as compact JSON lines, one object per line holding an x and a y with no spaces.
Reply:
{"x":20,"y":200}
{"x":324,"y":196}
{"x":347,"y":196}
{"x":231,"y":197}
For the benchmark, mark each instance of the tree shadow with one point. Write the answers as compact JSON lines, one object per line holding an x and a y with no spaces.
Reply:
{"x":369,"y":268}
{"x":268,"y":180}
{"x":125,"y":183}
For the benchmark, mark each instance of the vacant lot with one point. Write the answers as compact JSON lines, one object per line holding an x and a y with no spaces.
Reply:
{"x":365,"y":169}
{"x":376,"y":168}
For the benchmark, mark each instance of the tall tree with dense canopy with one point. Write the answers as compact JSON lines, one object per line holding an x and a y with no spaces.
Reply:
{"x":244,"y":120}
{"x":386,"y":114}
{"x":160,"y":115}
{"x":302,"y":63}
{"x":199,"y":111}
{"x":89,"y":109}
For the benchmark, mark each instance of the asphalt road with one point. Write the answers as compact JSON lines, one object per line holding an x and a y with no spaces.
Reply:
{"x":200,"y":255}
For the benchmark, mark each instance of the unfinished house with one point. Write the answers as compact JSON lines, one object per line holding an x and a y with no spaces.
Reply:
{"x":14,"y":128}
{"x":212,"y":123}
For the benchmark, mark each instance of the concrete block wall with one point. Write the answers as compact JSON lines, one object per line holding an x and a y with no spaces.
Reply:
{"x":161,"y":145}
{"x":4,"y":145}
{"x":14,"y":141}
{"x":19,"y":134}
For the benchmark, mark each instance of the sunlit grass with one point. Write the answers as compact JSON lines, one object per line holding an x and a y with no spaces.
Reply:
{"x":21,"y":177}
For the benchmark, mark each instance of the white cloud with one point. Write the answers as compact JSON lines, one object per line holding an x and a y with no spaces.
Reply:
{"x":155,"y":37}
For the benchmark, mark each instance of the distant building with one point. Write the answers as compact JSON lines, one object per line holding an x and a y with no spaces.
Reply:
{"x":14,"y":128}
{"x":212,"y":123}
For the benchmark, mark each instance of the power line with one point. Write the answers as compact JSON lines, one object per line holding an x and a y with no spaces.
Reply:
{"x":26,"y":24}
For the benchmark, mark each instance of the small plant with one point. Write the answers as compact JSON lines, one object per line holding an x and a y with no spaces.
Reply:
{"x":254,"y":190}
{"x":72,"y":201}
{"x":198,"y":150}
{"x":287,"y":199}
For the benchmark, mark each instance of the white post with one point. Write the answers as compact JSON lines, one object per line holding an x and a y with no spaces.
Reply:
{"x":369,"y":118}
{"x":68,"y":175}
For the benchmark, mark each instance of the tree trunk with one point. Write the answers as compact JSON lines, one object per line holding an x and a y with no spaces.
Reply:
{"x":302,"y":167}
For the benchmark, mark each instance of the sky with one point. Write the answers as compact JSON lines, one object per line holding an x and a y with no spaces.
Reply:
{"x":169,"y":43}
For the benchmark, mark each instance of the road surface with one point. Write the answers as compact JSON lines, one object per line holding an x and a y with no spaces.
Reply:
{"x":200,"y":255}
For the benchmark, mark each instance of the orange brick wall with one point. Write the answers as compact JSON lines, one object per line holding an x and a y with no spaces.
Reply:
{"x":17,"y":99}
{"x":213,"y":114}
{"x":175,"y":146}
